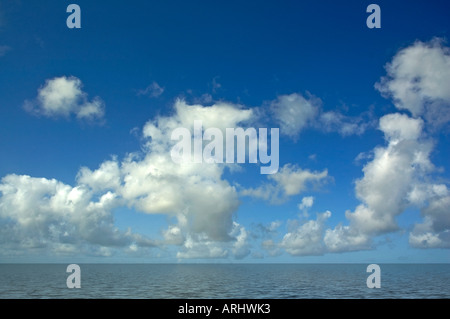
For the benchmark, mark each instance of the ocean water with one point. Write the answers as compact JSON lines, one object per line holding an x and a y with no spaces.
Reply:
{"x":224,"y":281}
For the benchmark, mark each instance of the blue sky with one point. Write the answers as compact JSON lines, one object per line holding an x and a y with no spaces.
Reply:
{"x":86,"y":116}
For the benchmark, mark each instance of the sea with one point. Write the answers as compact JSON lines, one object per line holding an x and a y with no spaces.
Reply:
{"x":224,"y":281}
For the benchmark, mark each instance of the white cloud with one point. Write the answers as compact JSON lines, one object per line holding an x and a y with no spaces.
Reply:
{"x":294,"y":180}
{"x":200,"y":247}
{"x":91,"y":110}
{"x":205,"y":98}
{"x":272,"y":248}
{"x":174,"y":235}
{"x":107,"y":176}
{"x":149,"y":182}
{"x":306,"y":239}
{"x":434,"y":232}
{"x":38,"y":213}
{"x":346,"y":238}
{"x":294,"y":112}
{"x":153,"y":90}
{"x":304,"y":206}
{"x":417,"y":80}
{"x":63,"y":97}
{"x":389,"y":176}
{"x":333,"y":121}
{"x":398,"y":176}
{"x":220,"y":115}
{"x":306,"y":203}
{"x":155,"y":184}
{"x":393,"y":180}
{"x":289,"y":181}
{"x":398,"y":127}
{"x":241,"y":246}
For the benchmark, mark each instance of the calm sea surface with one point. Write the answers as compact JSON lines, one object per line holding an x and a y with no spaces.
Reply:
{"x":224,"y":281}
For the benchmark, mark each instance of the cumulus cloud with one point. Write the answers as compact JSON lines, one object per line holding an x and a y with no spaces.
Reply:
{"x":289,"y":181}
{"x":398,"y":175}
{"x":200,"y":246}
{"x":295,"y":113}
{"x":307,"y":238}
{"x":417,"y":80}
{"x":334,"y":121}
{"x":434,"y":232}
{"x":241,"y":246}
{"x":393,"y":180}
{"x":396,"y":178}
{"x":107,"y":176}
{"x":199,"y":202}
{"x":303,"y":238}
{"x":40,"y":213}
{"x":64,"y":97}
{"x":346,"y":238}
{"x":153,"y":183}
{"x":306,"y":203}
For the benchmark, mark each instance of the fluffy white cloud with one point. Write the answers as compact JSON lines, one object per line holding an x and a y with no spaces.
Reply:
{"x":174,"y":235}
{"x":294,"y":113}
{"x":289,"y":181}
{"x":306,"y":203}
{"x":202,"y":202}
{"x":398,"y":175}
{"x":62,"y":97}
{"x":241,"y":246}
{"x":294,"y":180}
{"x":107,"y":176}
{"x":393,"y":180}
{"x":434,"y":232}
{"x":417,"y":80}
{"x":197,"y":197}
{"x":38,"y":213}
{"x":346,"y":238}
{"x":387,"y":182}
{"x":155,"y":184}
{"x":200,"y":247}
{"x":307,"y":238}
{"x":333,"y":121}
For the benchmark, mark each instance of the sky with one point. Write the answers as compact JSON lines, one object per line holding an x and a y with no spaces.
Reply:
{"x":87,"y":115}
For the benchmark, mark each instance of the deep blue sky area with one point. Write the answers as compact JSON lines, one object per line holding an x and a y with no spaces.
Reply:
{"x":287,"y":62}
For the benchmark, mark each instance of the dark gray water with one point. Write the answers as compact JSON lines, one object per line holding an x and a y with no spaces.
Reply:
{"x":225,"y":281}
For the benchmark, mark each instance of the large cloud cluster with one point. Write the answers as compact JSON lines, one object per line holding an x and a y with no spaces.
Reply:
{"x":40,"y":214}
{"x":400,"y":174}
